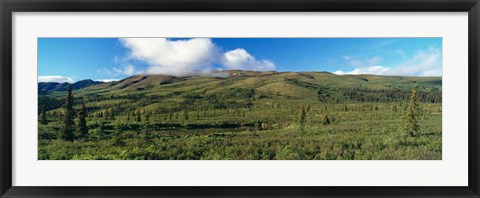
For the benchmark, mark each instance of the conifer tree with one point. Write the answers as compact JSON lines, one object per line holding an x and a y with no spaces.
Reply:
{"x":112,"y":114}
{"x":303,"y":116}
{"x":44,"y":115}
{"x":185,"y":114}
{"x":139,"y":118}
{"x":66,"y":132}
{"x":82,"y":129}
{"x":106,"y":114}
{"x":326,"y":120}
{"x":410,"y":126}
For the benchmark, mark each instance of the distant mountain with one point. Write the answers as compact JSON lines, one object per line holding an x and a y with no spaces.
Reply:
{"x":233,"y":85}
{"x":55,"y":86}
{"x":230,"y":84}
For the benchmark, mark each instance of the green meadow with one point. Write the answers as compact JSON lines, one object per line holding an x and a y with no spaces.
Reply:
{"x":245,"y":115}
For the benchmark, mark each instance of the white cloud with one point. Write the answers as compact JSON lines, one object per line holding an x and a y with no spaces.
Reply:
{"x":107,"y":80}
{"x":241,"y":59}
{"x":115,"y":71}
{"x":189,"y":57}
{"x":377,"y":70}
{"x":424,"y":63}
{"x":127,"y":70}
{"x":179,"y":57}
{"x":59,"y":79}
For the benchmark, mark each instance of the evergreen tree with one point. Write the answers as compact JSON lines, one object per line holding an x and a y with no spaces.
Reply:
{"x":303,"y":116}
{"x":44,"y":115}
{"x":410,"y":121}
{"x":326,"y":120}
{"x":106,"y":114}
{"x":139,"y":118}
{"x":112,"y":114}
{"x":185,"y":114}
{"x":66,"y":132}
{"x":82,"y":129}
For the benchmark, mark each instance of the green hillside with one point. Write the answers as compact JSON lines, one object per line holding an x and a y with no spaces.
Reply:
{"x":248,"y":115}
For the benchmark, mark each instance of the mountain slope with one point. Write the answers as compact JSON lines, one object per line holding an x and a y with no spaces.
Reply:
{"x":277,"y":84}
{"x":54,"y":86}
{"x":243,"y":89}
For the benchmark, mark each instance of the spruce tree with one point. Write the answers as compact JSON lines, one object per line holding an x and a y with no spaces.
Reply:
{"x":410,"y":126}
{"x":82,"y":129}
{"x":139,"y":119}
{"x":44,"y":116}
{"x":112,"y":114}
{"x":106,"y":116}
{"x":66,"y":132}
{"x":326,"y":120}
{"x":185,"y":114}
{"x":303,"y":116}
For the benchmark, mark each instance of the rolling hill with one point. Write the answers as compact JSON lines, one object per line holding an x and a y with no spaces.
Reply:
{"x":247,"y":115}
{"x":277,"y":83}
{"x":55,"y":86}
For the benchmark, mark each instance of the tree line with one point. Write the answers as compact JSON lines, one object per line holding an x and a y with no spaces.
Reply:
{"x":69,"y":130}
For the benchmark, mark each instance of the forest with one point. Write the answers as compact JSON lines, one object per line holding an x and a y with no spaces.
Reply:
{"x":244,"y":115}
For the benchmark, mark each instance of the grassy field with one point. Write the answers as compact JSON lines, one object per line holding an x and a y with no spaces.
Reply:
{"x":248,"y":116}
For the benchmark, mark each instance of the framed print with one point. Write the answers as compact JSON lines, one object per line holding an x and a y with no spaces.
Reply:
{"x":239,"y":98}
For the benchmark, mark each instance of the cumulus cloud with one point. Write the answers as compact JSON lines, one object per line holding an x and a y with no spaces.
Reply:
{"x":241,"y":59}
{"x":195,"y":56}
{"x":107,"y":80}
{"x":378,"y":70}
{"x":179,"y":57}
{"x":59,"y":79}
{"x":127,"y":70}
{"x":424,"y":63}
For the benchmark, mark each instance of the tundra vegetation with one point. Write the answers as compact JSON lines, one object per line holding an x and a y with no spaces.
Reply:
{"x":245,"y":115}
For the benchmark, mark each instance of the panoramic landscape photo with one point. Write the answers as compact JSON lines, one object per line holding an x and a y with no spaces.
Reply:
{"x":239,"y":98}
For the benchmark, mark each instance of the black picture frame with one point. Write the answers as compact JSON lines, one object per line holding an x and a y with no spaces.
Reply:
{"x":10,"y":6}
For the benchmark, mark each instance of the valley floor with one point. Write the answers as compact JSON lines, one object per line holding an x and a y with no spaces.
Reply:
{"x":357,"y":131}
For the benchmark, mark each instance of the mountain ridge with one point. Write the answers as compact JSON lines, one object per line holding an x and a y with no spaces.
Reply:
{"x":55,"y":86}
{"x":262,"y":81}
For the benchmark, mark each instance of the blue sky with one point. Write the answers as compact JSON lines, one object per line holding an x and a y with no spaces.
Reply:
{"x":73,"y":59}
